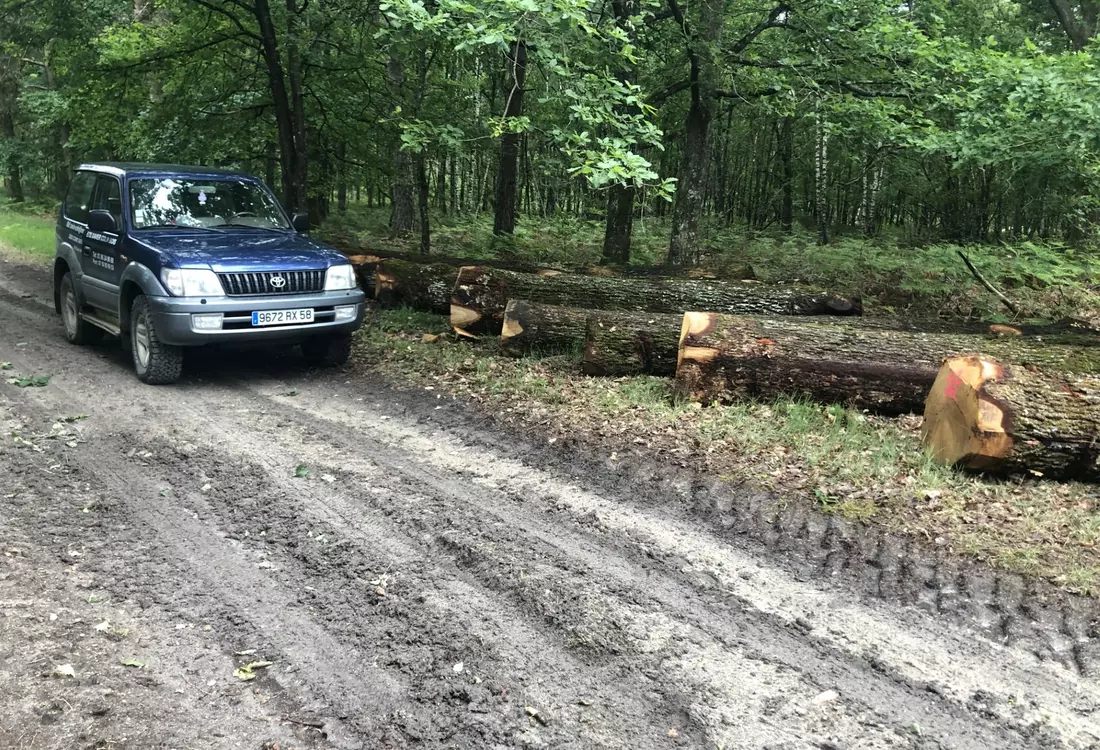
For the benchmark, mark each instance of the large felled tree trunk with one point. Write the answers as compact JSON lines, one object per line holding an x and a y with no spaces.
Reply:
{"x":531,"y":327}
{"x":504,"y":219}
{"x":421,"y":286}
{"x":631,"y":343}
{"x":481,"y":294}
{"x":988,"y":416}
{"x":727,"y":358}
{"x":366,"y":263}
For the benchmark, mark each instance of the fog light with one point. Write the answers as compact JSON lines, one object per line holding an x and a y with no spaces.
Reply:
{"x":207,"y":322}
{"x":345,"y":312}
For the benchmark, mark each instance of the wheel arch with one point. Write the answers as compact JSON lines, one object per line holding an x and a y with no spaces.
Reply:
{"x":136,"y":280}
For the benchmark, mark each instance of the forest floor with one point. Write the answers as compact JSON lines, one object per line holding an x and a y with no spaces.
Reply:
{"x":266,"y":556}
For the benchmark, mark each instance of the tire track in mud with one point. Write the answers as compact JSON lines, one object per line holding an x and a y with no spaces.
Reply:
{"x":606,"y":629}
{"x":621,"y":587}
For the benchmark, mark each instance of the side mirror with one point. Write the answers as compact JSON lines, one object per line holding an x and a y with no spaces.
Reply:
{"x":101,"y":221}
{"x":300,"y":222}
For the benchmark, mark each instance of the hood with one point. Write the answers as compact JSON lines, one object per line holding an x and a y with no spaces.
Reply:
{"x":238,"y":250}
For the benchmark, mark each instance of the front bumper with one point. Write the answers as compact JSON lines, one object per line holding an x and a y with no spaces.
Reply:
{"x":172,"y":317}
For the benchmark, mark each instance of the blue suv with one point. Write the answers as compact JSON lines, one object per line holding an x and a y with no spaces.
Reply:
{"x":168,"y":257}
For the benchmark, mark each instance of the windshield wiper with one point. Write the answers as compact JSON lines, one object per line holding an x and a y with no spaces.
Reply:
{"x":177,"y":226}
{"x":249,"y":226}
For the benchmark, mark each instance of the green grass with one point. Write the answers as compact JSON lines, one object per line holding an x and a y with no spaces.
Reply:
{"x":845,"y":462}
{"x":27,"y":236}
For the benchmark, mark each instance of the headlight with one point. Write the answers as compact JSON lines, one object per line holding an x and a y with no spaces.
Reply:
{"x":187,"y":282}
{"x":340,"y":277}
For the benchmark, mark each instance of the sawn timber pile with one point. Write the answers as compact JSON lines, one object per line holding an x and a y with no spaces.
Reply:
{"x":481,"y":295}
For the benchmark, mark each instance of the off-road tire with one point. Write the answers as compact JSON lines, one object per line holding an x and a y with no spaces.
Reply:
{"x":327,"y":351}
{"x":155,"y":362}
{"x":77,"y":330}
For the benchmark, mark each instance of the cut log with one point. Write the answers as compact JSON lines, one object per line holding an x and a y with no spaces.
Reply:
{"x":631,"y":343}
{"x":726,"y":358}
{"x":531,"y":327}
{"x":365,"y":263}
{"x":988,"y":416}
{"x":481,"y":294}
{"x":421,"y":286}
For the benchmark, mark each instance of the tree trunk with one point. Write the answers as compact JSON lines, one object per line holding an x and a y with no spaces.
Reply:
{"x":821,"y":184}
{"x":481,"y":294}
{"x":421,"y":286}
{"x":619,"y":224}
{"x":786,"y":151}
{"x":727,"y":358}
{"x":284,"y":119}
{"x":530,"y":327}
{"x":988,"y":416}
{"x":366,"y":262}
{"x":14,"y":174}
{"x":504,"y":219}
{"x":401,"y":187}
{"x":631,"y":343}
{"x":422,"y":204}
{"x":298,"y":107}
{"x":684,"y":245}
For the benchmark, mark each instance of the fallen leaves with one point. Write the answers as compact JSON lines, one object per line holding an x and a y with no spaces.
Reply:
{"x":32,"y":381}
{"x":137,"y":664}
{"x":248,"y":671}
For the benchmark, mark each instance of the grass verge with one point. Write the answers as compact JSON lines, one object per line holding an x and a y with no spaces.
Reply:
{"x":862,"y":467}
{"x":26,"y":237}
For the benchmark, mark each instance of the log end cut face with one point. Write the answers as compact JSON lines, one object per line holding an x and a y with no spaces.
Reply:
{"x":963,"y":423}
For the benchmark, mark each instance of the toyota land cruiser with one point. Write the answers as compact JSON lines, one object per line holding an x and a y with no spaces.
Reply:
{"x":169,"y":257}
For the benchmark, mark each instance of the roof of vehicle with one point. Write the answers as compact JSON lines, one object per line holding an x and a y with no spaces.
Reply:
{"x":136,"y":169}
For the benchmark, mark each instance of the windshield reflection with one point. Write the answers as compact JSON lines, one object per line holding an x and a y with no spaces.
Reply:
{"x":203,"y":204}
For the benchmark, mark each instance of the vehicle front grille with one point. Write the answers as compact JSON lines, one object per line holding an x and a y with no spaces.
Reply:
{"x":293,"y":282}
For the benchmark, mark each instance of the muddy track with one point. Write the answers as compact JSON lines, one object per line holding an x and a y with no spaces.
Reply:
{"x":434,"y":582}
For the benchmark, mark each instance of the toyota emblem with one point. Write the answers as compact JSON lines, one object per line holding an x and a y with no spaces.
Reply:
{"x":278,"y":282}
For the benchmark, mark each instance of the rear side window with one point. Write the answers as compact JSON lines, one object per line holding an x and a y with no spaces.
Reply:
{"x":79,"y":199}
{"x":108,"y":197}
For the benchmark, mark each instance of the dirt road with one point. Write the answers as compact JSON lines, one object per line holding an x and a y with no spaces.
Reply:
{"x":415,"y":579}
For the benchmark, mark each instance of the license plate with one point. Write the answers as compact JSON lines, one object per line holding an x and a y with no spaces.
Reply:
{"x":282,"y":317}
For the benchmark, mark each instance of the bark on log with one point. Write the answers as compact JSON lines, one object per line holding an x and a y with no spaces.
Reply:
{"x":366,"y":262}
{"x":481,"y":294}
{"x":726,"y":358}
{"x":988,"y":416}
{"x":631,"y":343}
{"x":529,"y":326}
{"x":421,"y":286}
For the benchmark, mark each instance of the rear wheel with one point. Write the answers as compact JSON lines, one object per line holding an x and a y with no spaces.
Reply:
{"x":77,"y":330}
{"x":327,"y":351}
{"x":155,"y":362}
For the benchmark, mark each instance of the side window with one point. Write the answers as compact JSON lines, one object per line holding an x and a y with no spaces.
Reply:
{"x":108,"y":197}
{"x":78,"y":201}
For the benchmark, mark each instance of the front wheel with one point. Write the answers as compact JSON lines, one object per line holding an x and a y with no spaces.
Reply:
{"x":155,"y":362}
{"x":327,"y":351}
{"x":77,"y":330}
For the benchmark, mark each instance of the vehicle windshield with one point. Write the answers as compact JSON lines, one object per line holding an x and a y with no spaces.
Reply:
{"x":203,"y":203}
